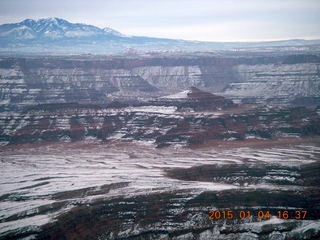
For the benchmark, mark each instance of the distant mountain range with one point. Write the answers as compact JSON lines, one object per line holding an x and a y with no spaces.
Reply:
{"x":52,"y":29}
{"x":55,"y":35}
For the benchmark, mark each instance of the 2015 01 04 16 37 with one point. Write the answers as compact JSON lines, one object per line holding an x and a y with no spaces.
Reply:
{"x":260,"y":214}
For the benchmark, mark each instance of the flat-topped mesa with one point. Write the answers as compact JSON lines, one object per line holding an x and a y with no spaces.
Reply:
{"x":198,"y":100}
{"x":193,"y":93}
{"x":196,"y":93}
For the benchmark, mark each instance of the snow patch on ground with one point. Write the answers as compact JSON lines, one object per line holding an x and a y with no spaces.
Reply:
{"x":35,"y":174}
{"x":179,"y":95}
{"x":154,"y":109}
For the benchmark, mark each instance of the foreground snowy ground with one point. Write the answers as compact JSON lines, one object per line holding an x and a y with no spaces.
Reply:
{"x":38,"y":184}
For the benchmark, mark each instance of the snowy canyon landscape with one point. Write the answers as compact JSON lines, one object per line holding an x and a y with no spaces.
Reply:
{"x":108,"y":136}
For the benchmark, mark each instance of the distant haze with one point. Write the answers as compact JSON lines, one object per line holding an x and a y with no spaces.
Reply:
{"x":206,"y":20}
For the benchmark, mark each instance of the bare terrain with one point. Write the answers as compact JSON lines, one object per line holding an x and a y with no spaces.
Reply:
{"x":219,"y":145}
{"x":134,"y":191}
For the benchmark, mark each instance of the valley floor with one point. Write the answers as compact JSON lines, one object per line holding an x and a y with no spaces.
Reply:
{"x":125,"y":190}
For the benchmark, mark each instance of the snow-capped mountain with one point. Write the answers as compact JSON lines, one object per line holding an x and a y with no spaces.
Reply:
{"x":52,"y":28}
{"x":55,"y":35}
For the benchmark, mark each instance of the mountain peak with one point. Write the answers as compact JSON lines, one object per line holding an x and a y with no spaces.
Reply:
{"x":52,"y":28}
{"x":27,"y":21}
{"x":53,"y":20}
{"x":31,"y":22}
{"x":113,"y":32}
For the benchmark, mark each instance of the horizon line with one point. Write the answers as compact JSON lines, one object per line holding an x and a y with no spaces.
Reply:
{"x":173,"y":38}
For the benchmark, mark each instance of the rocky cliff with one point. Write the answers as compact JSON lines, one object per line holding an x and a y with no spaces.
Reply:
{"x":251,"y":78}
{"x":179,"y":123}
{"x":276,"y":81}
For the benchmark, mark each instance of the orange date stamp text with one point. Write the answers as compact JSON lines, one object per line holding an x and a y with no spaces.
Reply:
{"x":260,"y":214}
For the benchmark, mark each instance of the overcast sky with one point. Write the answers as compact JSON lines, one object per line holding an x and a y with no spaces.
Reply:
{"x":207,"y":20}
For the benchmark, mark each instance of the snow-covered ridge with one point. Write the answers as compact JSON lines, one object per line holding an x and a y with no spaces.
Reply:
{"x":53,"y":28}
